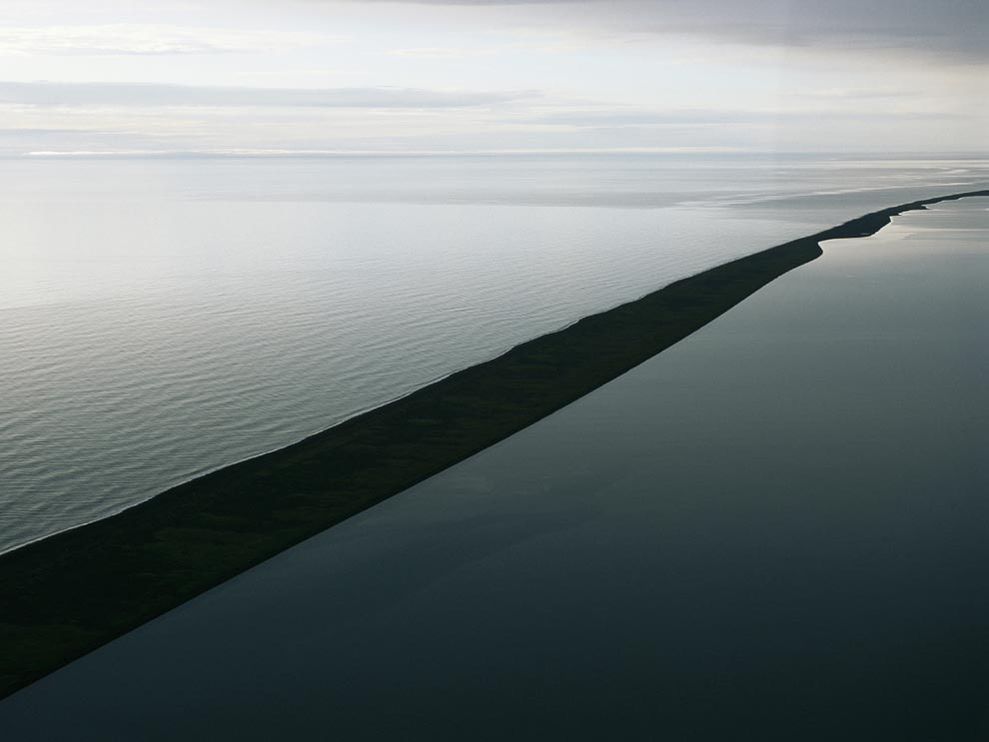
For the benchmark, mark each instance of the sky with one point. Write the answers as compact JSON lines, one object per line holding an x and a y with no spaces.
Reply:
{"x":272,"y":77}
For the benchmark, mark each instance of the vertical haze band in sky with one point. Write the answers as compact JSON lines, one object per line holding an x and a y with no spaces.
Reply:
{"x":304,"y":76}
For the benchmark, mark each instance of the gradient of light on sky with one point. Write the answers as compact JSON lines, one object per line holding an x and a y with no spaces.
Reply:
{"x":273,"y":76}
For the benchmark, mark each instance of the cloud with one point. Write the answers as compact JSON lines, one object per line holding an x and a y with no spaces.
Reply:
{"x":147,"y":94}
{"x":853,"y":94}
{"x":35,"y":132}
{"x":442,"y":52}
{"x":701,"y":117}
{"x":954,"y":29}
{"x":145,"y":39}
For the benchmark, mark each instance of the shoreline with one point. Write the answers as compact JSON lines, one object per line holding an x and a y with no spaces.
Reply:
{"x":71,"y":592}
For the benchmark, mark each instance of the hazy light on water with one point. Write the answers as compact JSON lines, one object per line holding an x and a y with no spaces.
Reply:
{"x":160,"y":319}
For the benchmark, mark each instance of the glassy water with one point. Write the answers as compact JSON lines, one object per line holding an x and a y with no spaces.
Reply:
{"x":162,"y":318}
{"x":775,"y":530}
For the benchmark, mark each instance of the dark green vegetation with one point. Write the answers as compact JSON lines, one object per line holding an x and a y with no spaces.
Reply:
{"x":68,"y":594}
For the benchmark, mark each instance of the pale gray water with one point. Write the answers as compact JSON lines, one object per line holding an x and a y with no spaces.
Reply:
{"x":775,"y":530}
{"x":161,"y":318}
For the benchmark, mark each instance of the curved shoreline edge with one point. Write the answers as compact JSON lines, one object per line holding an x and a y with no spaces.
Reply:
{"x":66,"y":595}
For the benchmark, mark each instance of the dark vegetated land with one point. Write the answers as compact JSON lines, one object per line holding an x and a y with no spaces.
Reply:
{"x":68,"y":594}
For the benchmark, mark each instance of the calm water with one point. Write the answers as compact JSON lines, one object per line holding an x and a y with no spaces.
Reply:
{"x":159,"y":318}
{"x":776,"y":530}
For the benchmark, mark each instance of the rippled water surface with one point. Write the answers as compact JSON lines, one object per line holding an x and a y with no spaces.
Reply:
{"x":159,"y":318}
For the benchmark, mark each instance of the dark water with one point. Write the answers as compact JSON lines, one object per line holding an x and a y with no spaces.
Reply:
{"x":777,"y":530}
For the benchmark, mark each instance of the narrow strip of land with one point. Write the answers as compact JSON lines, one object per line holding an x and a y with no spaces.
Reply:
{"x":68,"y":594}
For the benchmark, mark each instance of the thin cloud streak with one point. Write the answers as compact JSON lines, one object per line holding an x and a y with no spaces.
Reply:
{"x":146,"y":40}
{"x":619,"y":118}
{"x":148,"y":94}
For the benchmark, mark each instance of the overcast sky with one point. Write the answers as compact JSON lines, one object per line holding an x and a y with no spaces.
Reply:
{"x":267,"y":76}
